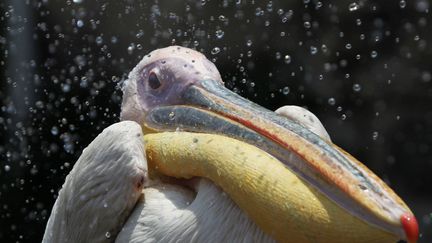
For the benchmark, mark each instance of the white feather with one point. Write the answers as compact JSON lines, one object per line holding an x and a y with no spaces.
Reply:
{"x":102,"y":188}
{"x":305,"y":118}
{"x":171,"y":213}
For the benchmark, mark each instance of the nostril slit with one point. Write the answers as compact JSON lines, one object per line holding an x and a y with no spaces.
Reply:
{"x":363,"y":187}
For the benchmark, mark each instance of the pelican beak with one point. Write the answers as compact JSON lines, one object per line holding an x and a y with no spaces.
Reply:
{"x":208,"y":107}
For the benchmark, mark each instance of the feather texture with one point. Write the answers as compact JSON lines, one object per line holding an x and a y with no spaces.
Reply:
{"x":171,"y":213}
{"x":102,"y":188}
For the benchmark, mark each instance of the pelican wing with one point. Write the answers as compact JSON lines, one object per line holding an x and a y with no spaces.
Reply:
{"x":102,"y":188}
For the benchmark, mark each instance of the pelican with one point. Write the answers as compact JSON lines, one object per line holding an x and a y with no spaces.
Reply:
{"x":192,"y":161}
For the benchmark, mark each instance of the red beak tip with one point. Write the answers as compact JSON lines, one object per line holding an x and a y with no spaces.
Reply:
{"x":410,"y":226}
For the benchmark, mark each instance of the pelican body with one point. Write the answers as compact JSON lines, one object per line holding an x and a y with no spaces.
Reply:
{"x":215,"y":167}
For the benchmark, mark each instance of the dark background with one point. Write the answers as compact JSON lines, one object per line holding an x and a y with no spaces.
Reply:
{"x":364,"y":68}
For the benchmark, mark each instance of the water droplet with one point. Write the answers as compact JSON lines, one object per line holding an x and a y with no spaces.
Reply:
{"x":353,"y":6}
{"x":219,"y":34}
{"x":66,"y":88}
{"x":324,"y":48}
{"x":359,"y":22}
{"x":286,"y":90}
{"x":39,"y":104}
{"x":131,"y":48}
{"x":80,"y":23}
{"x":7,"y":168}
{"x":331,"y":101}
{"x":108,"y":235}
{"x":215,"y":50}
{"x":259,"y":12}
{"x":54,"y":130}
{"x":139,"y":34}
{"x":270,"y":6}
{"x":171,"y":115}
{"x":99,"y":40}
{"x":375,"y":135}
{"x":249,"y":43}
{"x":422,"y":6}
{"x":307,"y":24}
{"x":426,"y":77}
{"x":313,"y":50}
{"x":402,"y":4}
{"x":374,"y":54}
{"x":356,"y":87}
{"x":114,"y":39}
{"x":287,"y":59}
{"x":348,"y":46}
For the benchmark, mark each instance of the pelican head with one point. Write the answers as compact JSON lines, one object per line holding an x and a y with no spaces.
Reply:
{"x":176,"y":88}
{"x":162,"y":77}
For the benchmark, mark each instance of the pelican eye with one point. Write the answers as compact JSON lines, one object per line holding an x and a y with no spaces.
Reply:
{"x":153,"y":81}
